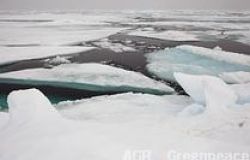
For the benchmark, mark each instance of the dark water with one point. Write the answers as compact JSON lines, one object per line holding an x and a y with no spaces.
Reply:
{"x":134,"y":61}
{"x":55,"y":94}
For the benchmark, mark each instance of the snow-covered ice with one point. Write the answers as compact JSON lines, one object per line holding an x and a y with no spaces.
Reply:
{"x":44,"y":28}
{"x":197,"y":85}
{"x":90,"y":76}
{"x":106,"y":127}
{"x":112,"y":109}
{"x":86,"y":18}
{"x":199,"y":25}
{"x":4,"y":117}
{"x":58,"y":60}
{"x":217,"y":104}
{"x":47,"y":36}
{"x":195,"y":60}
{"x":166,"y":35}
{"x":116,"y":47}
{"x":214,"y":119}
{"x":13,"y":54}
{"x":39,"y":109}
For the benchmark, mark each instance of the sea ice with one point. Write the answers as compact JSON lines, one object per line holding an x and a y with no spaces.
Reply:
{"x":220,"y":106}
{"x":40,"y":132}
{"x":166,"y":35}
{"x":113,"y":109}
{"x":51,"y":36}
{"x":195,"y":86}
{"x":89,"y":76}
{"x":116,"y":47}
{"x":218,"y":96}
{"x":195,"y":60}
{"x":106,"y":127}
{"x":39,"y":109}
{"x":58,"y":60}
{"x":13,"y":54}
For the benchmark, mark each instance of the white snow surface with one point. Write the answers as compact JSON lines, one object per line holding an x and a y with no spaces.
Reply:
{"x":13,"y":54}
{"x":195,"y":60}
{"x":90,"y":73}
{"x":106,"y":127}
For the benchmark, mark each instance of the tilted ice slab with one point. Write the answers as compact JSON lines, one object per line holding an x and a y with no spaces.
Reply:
{"x":166,"y":35}
{"x":13,"y":54}
{"x":220,"y":107}
{"x":89,"y":76}
{"x":195,"y":60}
{"x":39,"y":107}
{"x":197,"y":86}
{"x":235,"y":77}
{"x":35,"y":130}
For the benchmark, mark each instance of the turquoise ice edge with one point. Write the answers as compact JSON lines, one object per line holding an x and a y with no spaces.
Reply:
{"x":85,"y":86}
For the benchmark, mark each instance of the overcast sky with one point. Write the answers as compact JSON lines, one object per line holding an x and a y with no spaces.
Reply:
{"x":125,"y":4}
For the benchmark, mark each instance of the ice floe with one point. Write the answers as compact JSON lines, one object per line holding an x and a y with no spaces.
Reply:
{"x":116,"y":47}
{"x":52,"y":36}
{"x":58,"y":60}
{"x":109,"y":126}
{"x":112,"y":109}
{"x":166,"y":35}
{"x":220,"y":106}
{"x":13,"y":54}
{"x":89,"y":76}
{"x":195,"y":60}
{"x":214,"y":119}
{"x":57,"y":28}
{"x":61,"y":18}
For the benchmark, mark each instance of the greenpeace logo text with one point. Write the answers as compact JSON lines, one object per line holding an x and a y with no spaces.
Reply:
{"x":174,"y":155}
